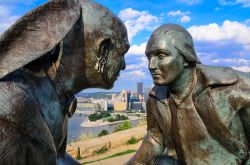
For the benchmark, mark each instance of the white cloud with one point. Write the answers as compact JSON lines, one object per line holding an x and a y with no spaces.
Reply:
{"x":243,"y":3}
{"x":133,"y":66}
{"x":5,"y":24}
{"x":178,"y":13}
{"x":191,"y":2}
{"x":144,"y":60}
{"x":185,"y":19}
{"x":6,"y":18}
{"x":242,"y":68}
{"x":136,"y":69}
{"x":129,"y":13}
{"x":183,"y":16}
{"x":247,"y":21}
{"x":138,"y":63}
{"x":137,"y":49}
{"x":4,"y":11}
{"x":136,"y":74}
{"x":231,"y":31}
{"x":218,"y":9}
{"x":225,"y":2}
{"x":236,"y":61}
{"x":14,"y":2}
{"x":137,"y":21}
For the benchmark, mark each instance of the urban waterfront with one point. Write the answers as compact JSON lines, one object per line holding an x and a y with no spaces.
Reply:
{"x":76,"y":126}
{"x":116,"y":102}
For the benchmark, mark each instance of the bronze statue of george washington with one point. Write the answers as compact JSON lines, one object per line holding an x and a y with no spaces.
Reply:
{"x":196,"y":114}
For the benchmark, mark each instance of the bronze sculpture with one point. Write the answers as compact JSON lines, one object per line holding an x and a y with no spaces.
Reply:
{"x":47,"y":56}
{"x":196,"y":114}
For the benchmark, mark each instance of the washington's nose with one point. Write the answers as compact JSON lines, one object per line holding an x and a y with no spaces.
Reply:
{"x":152,"y":63}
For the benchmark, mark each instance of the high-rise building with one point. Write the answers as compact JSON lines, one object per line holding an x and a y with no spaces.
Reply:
{"x":121,"y":101}
{"x":139,"y":88}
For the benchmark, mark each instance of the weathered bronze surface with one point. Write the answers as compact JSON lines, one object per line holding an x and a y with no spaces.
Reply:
{"x":47,"y":56}
{"x":196,"y":114}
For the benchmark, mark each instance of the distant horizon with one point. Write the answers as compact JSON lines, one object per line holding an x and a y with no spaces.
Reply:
{"x":94,"y":90}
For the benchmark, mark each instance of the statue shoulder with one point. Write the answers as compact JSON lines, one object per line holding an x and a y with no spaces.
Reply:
{"x":244,"y":79}
{"x":16,"y":101}
{"x":217,"y":75}
{"x":20,"y":110}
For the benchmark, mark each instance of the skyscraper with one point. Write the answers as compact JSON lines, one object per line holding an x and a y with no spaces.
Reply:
{"x":140,"y":88}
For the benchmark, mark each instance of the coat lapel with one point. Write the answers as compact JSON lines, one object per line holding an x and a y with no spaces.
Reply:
{"x":214,"y":124}
{"x":162,"y":113}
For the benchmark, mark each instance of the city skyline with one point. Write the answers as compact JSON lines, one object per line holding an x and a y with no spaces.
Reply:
{"x":220,"y":30}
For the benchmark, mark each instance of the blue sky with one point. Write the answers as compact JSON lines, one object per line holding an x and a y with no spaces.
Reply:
{"x":220,"y":29}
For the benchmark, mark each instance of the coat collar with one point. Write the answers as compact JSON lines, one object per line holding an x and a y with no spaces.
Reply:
{"x":216,"y":75}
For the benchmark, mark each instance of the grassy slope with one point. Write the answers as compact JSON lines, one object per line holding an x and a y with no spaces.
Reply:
{"x":112,"y":156}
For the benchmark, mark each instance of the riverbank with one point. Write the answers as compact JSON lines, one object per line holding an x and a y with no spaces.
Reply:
{"x":100,"y":122}
{"x":97,"y":148}
{"x":79,"y":126}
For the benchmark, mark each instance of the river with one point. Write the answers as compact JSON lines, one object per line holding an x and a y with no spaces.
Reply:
{"x":75,"y":128}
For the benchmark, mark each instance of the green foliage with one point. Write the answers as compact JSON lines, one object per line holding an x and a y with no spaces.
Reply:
{"x":142,"y":122}
{"x":103,"y":133}
{"x":129,"y":111}
{"x":98,"y":95}
{"x":99,"y":115}
{"x":132,"y":140}
{"x":98,"y":107}
{"x":122,"y":153}
{"x":117,"y":117}
{"x":112,"y":156}
{"x":142,"y":111}
{"x":78,"y":157}
{"x":102,"y":150}
{"x":123,"y":126}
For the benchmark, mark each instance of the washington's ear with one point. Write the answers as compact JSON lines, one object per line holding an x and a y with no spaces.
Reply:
{"x":37,"y":33}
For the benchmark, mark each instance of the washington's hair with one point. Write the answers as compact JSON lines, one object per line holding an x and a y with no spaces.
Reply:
{"x":182,"y":41}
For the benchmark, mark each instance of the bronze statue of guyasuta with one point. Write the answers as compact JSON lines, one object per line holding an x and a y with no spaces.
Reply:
{"x":196,"y":114}
{"x":47,"y":56}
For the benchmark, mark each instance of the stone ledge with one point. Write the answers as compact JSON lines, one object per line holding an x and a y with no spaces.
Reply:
{"x":91,"y":146}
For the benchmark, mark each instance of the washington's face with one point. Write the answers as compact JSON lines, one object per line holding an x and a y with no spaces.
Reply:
{"x":165,"y":62}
